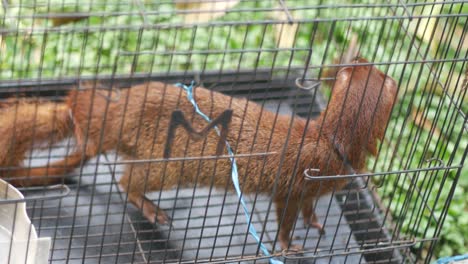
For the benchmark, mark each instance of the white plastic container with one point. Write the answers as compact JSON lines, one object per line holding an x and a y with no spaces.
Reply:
{"x":19,"y":243}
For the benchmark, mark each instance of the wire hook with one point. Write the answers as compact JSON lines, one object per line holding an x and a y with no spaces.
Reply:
{"x":312,"y":86}
{"x":441,"y":162}
{"x":64,"y":191}
{"x":307,"y":175}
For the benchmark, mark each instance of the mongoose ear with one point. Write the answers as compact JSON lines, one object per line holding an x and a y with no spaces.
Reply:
{"x":343,"y":77}
{"x":344,"y":74}
{"x":390,"y":86}
{"x":359,"y":59}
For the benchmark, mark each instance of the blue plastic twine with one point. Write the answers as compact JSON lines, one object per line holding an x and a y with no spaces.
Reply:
{"x":447,"y":260}
{"x":234,"y":173}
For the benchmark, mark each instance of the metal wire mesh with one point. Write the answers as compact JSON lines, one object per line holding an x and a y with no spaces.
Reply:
{"x":284,"y":56}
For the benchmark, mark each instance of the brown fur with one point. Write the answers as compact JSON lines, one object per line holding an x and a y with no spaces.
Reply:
{"x":24,"y":124}
{"x":138,"y":130}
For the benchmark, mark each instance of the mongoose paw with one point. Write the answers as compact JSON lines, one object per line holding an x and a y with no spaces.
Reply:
{"x":284,"y":244}
{"x":292,"y":248}
{"x":162,"y":218}
{"x":155,"y":214}
{"x":316,"y":225}
{"x":295,"y":248}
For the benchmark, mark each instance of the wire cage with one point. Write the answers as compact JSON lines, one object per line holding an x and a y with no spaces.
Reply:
{"x":285,"y":56}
